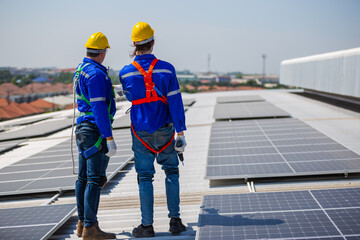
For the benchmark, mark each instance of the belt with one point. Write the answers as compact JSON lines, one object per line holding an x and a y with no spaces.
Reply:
{"x":168,"y":125}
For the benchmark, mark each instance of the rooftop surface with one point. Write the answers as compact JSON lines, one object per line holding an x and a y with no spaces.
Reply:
{"x":119,"y":207}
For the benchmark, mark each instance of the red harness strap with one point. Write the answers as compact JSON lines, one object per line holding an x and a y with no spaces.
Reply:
{"x":147,"y":145}
{"x":151,"y":94}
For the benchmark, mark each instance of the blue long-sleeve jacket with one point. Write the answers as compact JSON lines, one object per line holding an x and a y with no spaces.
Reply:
{"x":151,"y":116}
{"x":97,"y":88}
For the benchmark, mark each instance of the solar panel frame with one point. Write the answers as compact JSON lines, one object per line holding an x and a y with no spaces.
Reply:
{"x":248,"y":110}
{"x":188,"y":101}
{"x":37,"y":130}
{"x":51,"y":170}
{"x":38,"y":222}
{"x":318,"y":214}
{"x":8,"y":145}
{"x":241,"y":98}
{"x":292,"y":147}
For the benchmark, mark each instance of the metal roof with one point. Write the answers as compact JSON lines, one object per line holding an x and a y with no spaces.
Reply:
{"x":119,"y":207}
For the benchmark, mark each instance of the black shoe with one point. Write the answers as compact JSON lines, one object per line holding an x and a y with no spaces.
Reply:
{"x":143,"y":231}
{"x":176,"y":225}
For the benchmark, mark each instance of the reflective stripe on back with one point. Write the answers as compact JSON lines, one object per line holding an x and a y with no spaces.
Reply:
{"x":129,"y":74}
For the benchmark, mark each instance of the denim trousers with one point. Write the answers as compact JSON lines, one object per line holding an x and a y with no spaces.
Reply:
{"x":144,"y":166}
{"x":92,"y":173}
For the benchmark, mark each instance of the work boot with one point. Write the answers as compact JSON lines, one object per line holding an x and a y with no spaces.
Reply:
{"x":176,"y":225}
{"x":95,"y":233}
{"x":143,"y":231}
{"x":79,"y":228}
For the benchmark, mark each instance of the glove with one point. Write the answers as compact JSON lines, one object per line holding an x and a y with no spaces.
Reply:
{"x":111,"y":147}
{"x":119,"y":90}
{"x":180,"y":144}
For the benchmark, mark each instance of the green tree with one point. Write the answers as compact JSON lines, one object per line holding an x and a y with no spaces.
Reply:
{"x":251,"y":83}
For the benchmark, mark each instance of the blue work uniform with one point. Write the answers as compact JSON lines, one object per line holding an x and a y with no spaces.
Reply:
{"x":151,"y":116}
{"x":153,"y":123}
{"x":97,"y":88}
{"x":95,"y":95}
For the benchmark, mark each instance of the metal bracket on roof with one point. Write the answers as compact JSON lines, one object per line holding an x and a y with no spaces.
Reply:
{"x":346,"y":174}
{"x":53,"y":199}
{"x":251,"y":186}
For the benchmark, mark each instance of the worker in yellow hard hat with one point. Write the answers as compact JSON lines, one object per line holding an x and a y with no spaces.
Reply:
{"x":157,"y":112}
{"x":94,"y":138}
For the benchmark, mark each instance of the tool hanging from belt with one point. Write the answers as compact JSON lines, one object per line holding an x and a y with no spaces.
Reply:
{"x":97,"y":146}
{"x":152,"y":95}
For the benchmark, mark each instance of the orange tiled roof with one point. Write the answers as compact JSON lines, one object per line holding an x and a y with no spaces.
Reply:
{"x":41,"y":103}
{"x":4,"y":114}
{"x":12,"y":89}
{"x":4,"y":102}
{"x":13,"y":110}
{"x":30,"y":109}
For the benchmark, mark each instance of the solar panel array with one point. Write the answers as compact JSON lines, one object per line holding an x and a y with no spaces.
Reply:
{"x":33,"y":223}
{"x":8,"y":145}
{"x":235,"y":99}
{"x":315,"y":214}
{"x":25,"y":121}
{"x":247,"y":110}
{"x":37,"y":130}
{"x":51,"y":170}
{"x":274,"y":148}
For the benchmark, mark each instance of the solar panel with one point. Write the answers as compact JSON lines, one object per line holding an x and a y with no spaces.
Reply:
{"x":188,"y":101}
{"x":318,"y":214}
{"x":8,"y":145}
{"x":25,"y":121}
{"x":122,"y":122}
{"x":247,"y":110}
{"x":274,"y":148}
{"x":33,"y":222}
{"x":236,"y":99}
{"x":51,"y":170}
{"x":37,"y":130}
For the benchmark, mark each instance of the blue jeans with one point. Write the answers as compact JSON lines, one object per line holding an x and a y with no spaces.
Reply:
{"x":144,"y":165}
{"x":92,"y":173}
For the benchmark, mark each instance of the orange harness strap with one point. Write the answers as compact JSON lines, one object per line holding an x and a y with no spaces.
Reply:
{"x":151,"y":94}
{"x":147,"y":145}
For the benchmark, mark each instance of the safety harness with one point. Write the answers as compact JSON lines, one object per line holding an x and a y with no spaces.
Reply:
{"x":152,"y":95}
{"x":97,"y":146}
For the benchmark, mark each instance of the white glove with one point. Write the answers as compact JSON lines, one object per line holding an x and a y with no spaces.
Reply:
{"x":111,"y":147}
{"x":180,"y":144}
{"x":119,"y":90}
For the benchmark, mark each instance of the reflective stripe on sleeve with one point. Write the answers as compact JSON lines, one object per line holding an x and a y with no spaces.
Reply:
{"x":138,"y":73}
{"x":84,"y":74}
{"x":173,"y":92}
{"x":98,"y":99}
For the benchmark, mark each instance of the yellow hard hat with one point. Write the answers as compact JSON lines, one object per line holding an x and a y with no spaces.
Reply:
{"x":142,"y":33}
{"x":97,"y":41}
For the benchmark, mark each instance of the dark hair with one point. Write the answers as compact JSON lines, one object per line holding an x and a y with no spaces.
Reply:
{"x":142,"y":48}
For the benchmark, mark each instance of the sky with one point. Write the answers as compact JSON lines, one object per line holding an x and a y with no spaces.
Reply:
{"x":235,"y":33}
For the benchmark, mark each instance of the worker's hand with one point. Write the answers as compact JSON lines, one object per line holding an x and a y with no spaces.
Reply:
{"x":180,"y":143}
{"x":111,"y":147}
{"x":119,"y":90}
